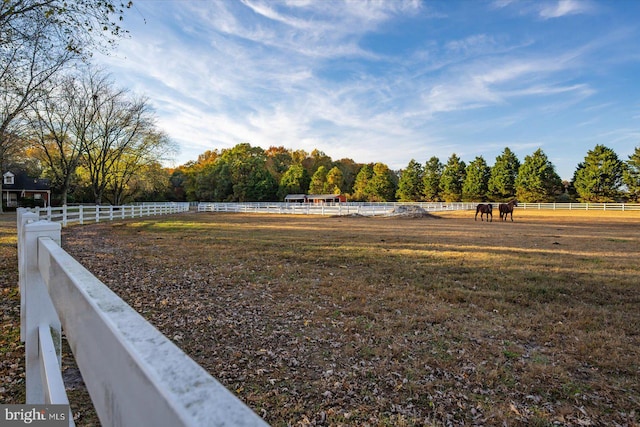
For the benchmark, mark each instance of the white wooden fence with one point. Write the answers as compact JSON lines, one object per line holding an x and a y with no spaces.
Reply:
{"x":135,"y":375}
{"x":582,"y":206}
{"x":349,"y":208}
{"x":96,"y":213}
{"x":388,"y":208}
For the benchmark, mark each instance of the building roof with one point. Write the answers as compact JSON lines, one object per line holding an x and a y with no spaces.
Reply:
{"x":22,"y":181}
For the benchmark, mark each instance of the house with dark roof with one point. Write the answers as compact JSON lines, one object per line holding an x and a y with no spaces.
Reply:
{"x":19,"y":189}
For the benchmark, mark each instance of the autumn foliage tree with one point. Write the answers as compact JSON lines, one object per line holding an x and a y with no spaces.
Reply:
{"x":38,"y":41}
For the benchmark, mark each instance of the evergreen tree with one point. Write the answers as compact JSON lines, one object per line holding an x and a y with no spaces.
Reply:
{"x":318,"y":181}
{"x":631,"y":176}
{"x":294,"y":181}
{"x":452,"y":180}
{"x":600,"y":176}
{"x":432,"y":173}
{"x":410,"y":186}
{"x":537,"y":179}
{"x":382,"y":186}
{"x":502,"y":182}
{"x":476,"y":180}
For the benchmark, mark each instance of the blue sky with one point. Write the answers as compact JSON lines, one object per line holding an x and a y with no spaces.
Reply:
{"x":389,"y":81}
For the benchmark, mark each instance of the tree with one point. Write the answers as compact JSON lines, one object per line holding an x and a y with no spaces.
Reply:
{"x":114,"y":125}
{"x":335,"y":181}
{"x":278,"y":161}
{"x":432,"y":173}
{"x":537,"y":179}
{"x":38,"y":39}
{"x":250,"y":178}
{"x":599,"y":177}
{"x":631,"y":176}
{"x":294,"y":181}
{"x":452,"y":179}
{"x":502,"y":182}
{"x":151,"y":183}
{"x":361,"y":183}
{"x":144,"y":155}
{"x":316,"y":159}
{"x":382,"y":185}
{"x":349,"y":170}
{"x":476,"y":180}
{"x":318,"y":183}
{"x":410,"y":185}
{"x":213,"y":183}
{"x":53,"y":122}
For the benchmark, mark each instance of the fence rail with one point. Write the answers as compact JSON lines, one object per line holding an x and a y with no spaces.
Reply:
{"x":349,"y":208}
{"x":135,"y":375}
{"x":582,"y":206}
{"x":390,"y":208}
{"x":96,"y":213}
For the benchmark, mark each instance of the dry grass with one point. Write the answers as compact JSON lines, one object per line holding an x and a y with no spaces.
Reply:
{"x":11,"y":349}
{"x":395,"y":321}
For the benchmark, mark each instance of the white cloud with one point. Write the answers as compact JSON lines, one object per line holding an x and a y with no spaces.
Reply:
{"x":297,"y":73}
{"x":565,"y":7}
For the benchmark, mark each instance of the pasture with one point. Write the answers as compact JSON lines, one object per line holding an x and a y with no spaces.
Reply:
{"x":393,"y":321}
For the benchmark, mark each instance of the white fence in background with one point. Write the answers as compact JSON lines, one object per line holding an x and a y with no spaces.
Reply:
{"x":391,"y":208}
{"x":96,"y":213}
{"x":134,"y":374}
{"x":582,"y":206}
{"x":334,"y":209}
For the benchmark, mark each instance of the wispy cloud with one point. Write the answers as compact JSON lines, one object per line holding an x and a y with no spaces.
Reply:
{"x":566,"y":7}
{"x":371,"y":80}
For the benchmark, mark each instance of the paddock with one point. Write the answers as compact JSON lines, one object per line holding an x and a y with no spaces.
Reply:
{"x":355,"y":321}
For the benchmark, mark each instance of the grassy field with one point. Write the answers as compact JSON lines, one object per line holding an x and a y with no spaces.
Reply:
{"x":392,"y":321}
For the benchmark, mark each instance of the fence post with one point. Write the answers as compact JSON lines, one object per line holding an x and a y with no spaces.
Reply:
{"x":36,"y":305}
{"x":64,"y":215}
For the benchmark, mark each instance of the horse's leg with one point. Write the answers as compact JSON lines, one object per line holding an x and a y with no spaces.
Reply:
{"x":490,"y":213}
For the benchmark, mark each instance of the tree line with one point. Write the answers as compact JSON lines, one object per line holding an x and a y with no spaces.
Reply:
{"x":245,"y":173}
{"x":41,"y":40}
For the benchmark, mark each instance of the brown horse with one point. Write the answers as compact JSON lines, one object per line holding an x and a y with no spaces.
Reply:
{"x":484,"y":209}
{"x":507,"y":209}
